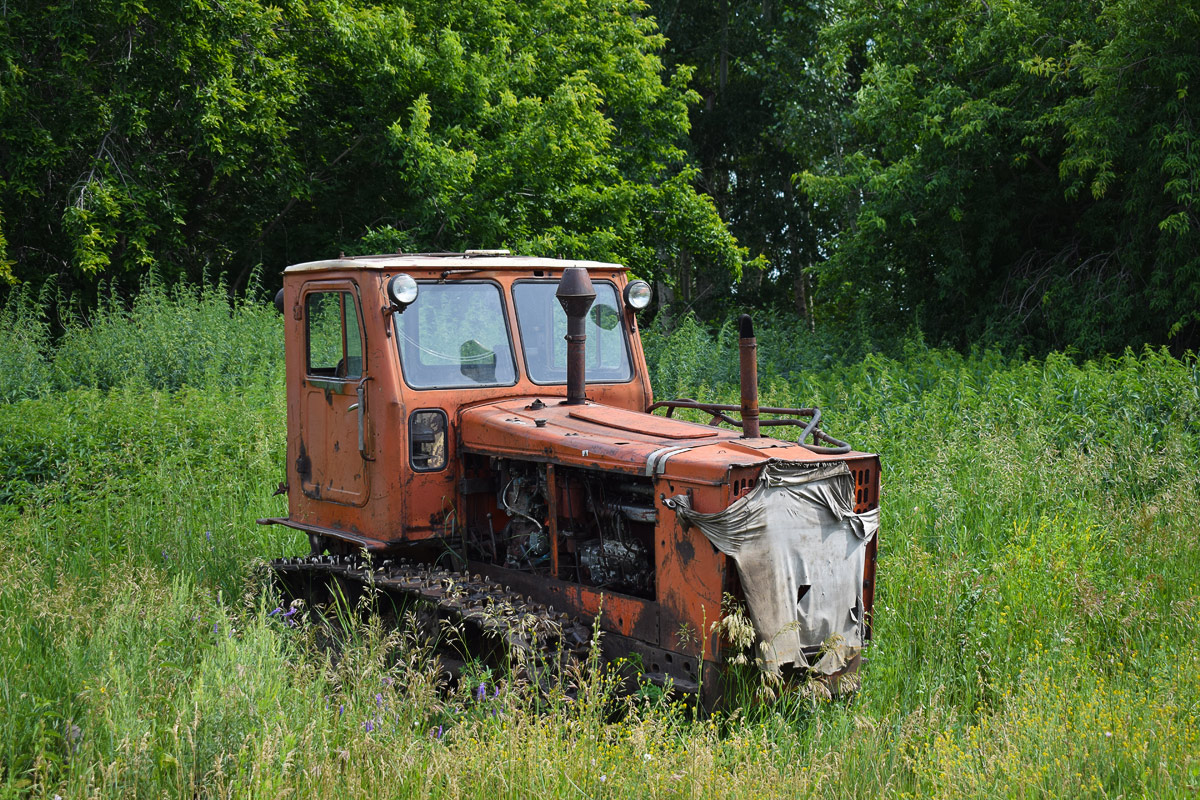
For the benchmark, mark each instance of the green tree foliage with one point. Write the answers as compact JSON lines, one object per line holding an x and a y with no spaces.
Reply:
{"x":208,"y":136}
{"x":763,"y":116}
{"x":1017,"y":171}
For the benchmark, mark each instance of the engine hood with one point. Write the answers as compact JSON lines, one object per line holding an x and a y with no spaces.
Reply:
{"x":613,"y":439}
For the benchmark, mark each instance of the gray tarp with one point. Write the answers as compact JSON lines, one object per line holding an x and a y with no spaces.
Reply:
{"x":799,"y":550}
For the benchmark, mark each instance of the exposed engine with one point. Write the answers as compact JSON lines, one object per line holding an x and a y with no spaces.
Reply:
{"x":603,"y":525}
{"x":610,"y":562}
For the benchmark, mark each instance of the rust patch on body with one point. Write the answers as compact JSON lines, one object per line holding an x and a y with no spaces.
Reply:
{"x":304,"y":464}
{"x":686,"y":550}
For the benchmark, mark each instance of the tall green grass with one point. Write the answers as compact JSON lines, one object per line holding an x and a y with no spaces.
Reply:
{"x":165,"y":338}
{"x":1035,"y":630}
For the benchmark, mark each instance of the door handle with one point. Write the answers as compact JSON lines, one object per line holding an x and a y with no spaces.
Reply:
{"x":360,"y":406}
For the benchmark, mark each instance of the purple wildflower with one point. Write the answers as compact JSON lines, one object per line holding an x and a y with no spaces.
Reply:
{"x":369,"y":725}
{"x":435,"y":733}
{"x":277,"y":610}
{"x":341,"y":708}
{"x":387,"y":680}
{"x":379,"y":700}
{"x":208,"y":535}
{"x":215,"y":624}
{"x":481,"y":693}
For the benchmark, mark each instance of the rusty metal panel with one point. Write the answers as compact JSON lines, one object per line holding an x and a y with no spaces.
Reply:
{"x":866,"y":495}
{"x":630,"y":616}
{"x":637,"y":422}
{"x":691,"y":577}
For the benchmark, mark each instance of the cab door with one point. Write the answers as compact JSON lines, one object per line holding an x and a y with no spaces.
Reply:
{"x":334,"y":462}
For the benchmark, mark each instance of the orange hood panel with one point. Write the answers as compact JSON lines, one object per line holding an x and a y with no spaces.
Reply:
{"x":602,"y":437}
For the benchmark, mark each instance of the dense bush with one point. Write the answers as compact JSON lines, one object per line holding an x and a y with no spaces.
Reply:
{"x":207,"y":137}
{"x":690,"y":354}
{"x":166,"y":338}
{"x":1027,"y":175}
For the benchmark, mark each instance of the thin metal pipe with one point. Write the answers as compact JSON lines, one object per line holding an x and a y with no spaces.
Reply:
{"x":748,"y":352}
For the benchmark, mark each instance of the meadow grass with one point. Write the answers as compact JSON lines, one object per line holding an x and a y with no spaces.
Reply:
{"x":1035,"y":628}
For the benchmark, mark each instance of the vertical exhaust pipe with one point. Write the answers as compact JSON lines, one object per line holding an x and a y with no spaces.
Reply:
{"x":748,"y":356}
{"x":575,"y":294}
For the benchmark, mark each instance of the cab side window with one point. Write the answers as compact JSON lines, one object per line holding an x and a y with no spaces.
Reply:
{"x":334,"y":336}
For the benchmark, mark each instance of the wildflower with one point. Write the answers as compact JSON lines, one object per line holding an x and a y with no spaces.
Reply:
{"x":603,"y":778}
{"x":378,"y":700}
{"x":647,"y":757}
{"x":341,"y":708}
{"x":215,"y":627}
{"x":208,"y":535}
{"x":369,"y":725}
{"x":276,"y":610}
{"x":387,"y":680}
{"x":481,"y":693}
{"x":1108,"y":734}
{"x":436,"y":733}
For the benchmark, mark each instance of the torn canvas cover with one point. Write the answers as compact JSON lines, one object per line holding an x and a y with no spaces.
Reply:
{"x":800,"y":550}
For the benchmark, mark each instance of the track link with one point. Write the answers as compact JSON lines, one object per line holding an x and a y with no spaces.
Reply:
{"x":529,"y":631}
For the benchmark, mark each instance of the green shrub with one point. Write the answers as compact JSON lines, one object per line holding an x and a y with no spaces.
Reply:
{"x":25,"y":332}
{"x":169,"y":338}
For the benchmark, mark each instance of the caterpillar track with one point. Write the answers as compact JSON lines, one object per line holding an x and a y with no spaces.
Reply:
{"x":526,"y":632}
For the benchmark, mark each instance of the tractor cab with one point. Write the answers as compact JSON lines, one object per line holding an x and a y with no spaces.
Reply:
{"x":383,"y":353}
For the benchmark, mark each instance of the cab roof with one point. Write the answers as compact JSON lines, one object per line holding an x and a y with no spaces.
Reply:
{"x":471,"y":259}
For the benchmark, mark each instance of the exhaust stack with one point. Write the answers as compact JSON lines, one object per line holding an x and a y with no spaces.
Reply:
{"x":576,"y":295}
{"x":748,"y":356}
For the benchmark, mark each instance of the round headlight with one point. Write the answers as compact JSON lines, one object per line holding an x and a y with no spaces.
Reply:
{"x":637,"y":295}
{"x":401,"y":290}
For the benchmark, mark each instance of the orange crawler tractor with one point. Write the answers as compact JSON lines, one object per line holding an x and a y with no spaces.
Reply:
{"x":480,"y":425}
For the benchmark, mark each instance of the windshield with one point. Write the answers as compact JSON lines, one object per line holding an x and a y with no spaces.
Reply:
{"x":543,"y":325}
{"x":455,"y":335}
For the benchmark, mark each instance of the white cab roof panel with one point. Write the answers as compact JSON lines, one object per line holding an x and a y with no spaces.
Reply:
{"x":400,"y":261}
